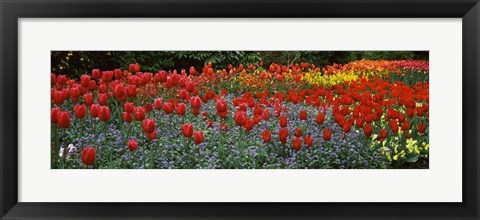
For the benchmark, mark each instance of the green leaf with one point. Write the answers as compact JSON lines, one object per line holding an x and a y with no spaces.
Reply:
{"x":412,"y":158}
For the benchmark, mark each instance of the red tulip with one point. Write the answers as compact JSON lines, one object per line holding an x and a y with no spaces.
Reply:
{"x":190,"y":86}
{"x":303,"y":115}
{"x":134,"y":67}
{"x":85,"y":80}
{"x":421,"y":128}
{"x":96,"y":73}
{"x":104,"y":113}
{"x":139,"y":113}
{"x":240,"y":118}
{"x":327,"y":134}
{"x":88,"y":97}
{"x":148,"y":107}
{"x":149,"y":125}
{"x":393,"y":125}
{"x":383,"y":134}
{"x":61,"y":79}
{"x":119,"y":91}
{"x":266,"y":115}
{"x":127,"y":117}
{"x":131,"y":91}
{"x":80,"y":111}
{"x":283,"y":121}
{"x":222,"y":108}
{"x":92,"y":85}
{"x":195,"y":111}
{"x":88,"y":155}
{"x":102,"y":99}
{"x":283,"y":134}
{"x":297,"y":143}
{"x":132,"y":145}
{"x":94,"y":110}
{"x":308,"y":141}
{"x":117,"y":73}
{"x":298,"y":132}
{"x":152,"y":135}
{"x":107,"y":76}
{"x":405,"y":125}
{"x":198,"y":137}
{"x":158,"y":103}
{"x":180,"y":109}
{"x":320,"y":118}
{"x":168,"y":108}
{"x":63,"y":119}
{"x":347,"y":127}
{"x":187,"y":130}
{"x":266,"y":136}
{"x":53,"y":115}
{"x":248,"y":124}
{"x":367,"y":129}
{"x":162,"y":76}
{"x":58,"y":98}
{"x":128,"y":106}
{"x":195,"y":102}
{"x":53,"y":79}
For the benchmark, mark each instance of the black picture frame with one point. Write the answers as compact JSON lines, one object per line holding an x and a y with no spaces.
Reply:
{"x":11,"y":11}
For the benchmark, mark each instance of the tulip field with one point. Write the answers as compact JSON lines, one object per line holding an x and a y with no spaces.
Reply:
{"x":365,"y":114}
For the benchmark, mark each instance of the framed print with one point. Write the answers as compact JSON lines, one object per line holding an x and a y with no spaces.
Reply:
{"x":225,"y":109}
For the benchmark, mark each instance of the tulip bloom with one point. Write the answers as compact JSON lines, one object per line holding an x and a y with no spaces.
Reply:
{"x":198,"y":137}
{"x":104,"y":114}
{"x":102,"y":99}
{"x":149,"y":125}
{"x":152,"y":135}
{"x":421,"y":128}
{"x":303,"y":115}
{"x":168,"y":108}
{"x":63,"y":119}
{"x":88,"y":155}
{"x":180,"y":109}
{"x":383,"y":134}
{"x":266,"y":136}
{"x":94,"y":110}
{"x":80,"y":111}
{"x":283,"y":134}
{"x":222,"y":108}
{"x":88,"y":97}
{"x":128,"y":106}
{"x":298,"y":132}
{"x":367,"y":129}
{"x":53,"y":115}
{"x":127,"y":117}
{"x":195,"y":102}
{"x":240,"y":118}
{"x":96,"y":74}
{"x":158,"y":103}
{"x":327,"y":134}
{"x":297,"y":143}
{"x":187,"y":130}
{"x":131,"y":91}
{"x":139,"y":113}
{"x":266,"y":115}
{"x":134,"y":67}
{"x":283,"y":121}
{"x":308,"y":141}
{"x":248,"y":124}
{"x":132,"y":145}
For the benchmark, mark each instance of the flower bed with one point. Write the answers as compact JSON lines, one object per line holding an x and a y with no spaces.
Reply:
{"x":364,"y":114}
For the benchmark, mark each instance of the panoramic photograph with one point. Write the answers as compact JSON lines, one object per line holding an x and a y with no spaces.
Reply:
{"x":239,"y":109}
